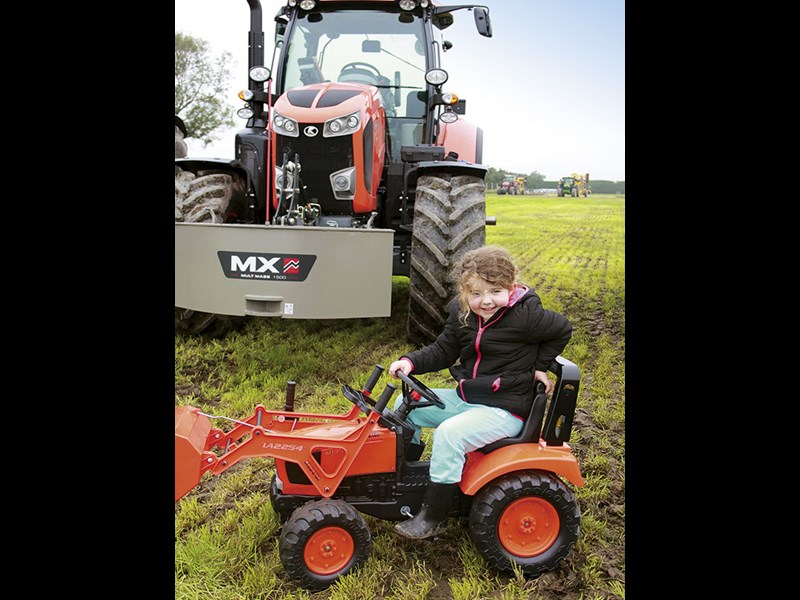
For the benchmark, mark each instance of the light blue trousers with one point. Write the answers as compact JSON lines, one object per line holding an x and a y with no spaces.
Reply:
{"x":460,"y":428}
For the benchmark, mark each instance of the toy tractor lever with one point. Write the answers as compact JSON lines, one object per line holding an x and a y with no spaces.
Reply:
{"x":373,"y":379}
{"x":384,"y":398}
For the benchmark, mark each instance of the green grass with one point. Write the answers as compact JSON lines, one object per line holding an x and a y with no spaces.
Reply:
{"x":572,"y":252}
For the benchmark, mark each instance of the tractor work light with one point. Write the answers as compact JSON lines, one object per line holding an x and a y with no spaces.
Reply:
{"x":245,"y":112}
{"x":408,"y":4}
{"x":307,"y":4}
{"x":448,"y":116}
{"x":341,"y":125}
{"x":260,"y":74}
{"x":285,"y":125}
{"x":436,"y":76}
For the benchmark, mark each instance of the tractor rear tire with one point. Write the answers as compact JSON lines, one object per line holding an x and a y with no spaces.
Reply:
{"x":528,"y":518}
{"x":322,"y":541}
{"x":207,"y":197}
{"x":193,"y":322}
{"x":449,"y":220}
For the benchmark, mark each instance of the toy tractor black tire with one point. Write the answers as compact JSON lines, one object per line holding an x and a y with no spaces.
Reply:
{"x":322,"y":541}
{"x":449,"y":220}
{"x":529,"y":518}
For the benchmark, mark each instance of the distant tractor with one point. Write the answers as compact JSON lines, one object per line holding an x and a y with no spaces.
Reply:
{"x":512,"y":185}
{"x":575,"y":185}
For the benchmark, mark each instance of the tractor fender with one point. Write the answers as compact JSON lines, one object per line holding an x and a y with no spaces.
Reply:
{"x":481,"y":469}
{"x":453,"y":167}
{"x":207,"y":166}
{"x":464,"y":138}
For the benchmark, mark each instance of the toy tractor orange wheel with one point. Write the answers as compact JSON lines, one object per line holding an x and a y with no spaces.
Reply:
{"x":322,"y":541}
{"x":528,"y":518}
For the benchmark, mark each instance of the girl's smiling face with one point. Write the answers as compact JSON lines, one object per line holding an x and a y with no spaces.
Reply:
{"x":485,"y":298}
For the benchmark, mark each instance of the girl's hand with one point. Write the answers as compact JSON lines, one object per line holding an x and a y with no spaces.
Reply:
{"x":403,"y":365}
{"x":542,"y":376}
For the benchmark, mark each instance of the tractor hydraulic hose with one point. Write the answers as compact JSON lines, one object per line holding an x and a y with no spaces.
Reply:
{"x":270,"y":177}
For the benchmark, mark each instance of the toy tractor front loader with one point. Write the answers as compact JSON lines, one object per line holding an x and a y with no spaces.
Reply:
{"x":331,"y":469}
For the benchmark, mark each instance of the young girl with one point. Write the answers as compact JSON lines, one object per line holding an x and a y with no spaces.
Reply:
{"x":504,"y":341}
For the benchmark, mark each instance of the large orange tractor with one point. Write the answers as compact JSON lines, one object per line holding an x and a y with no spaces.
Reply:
{"x":354,"y":165}
{"x":329,"y":469}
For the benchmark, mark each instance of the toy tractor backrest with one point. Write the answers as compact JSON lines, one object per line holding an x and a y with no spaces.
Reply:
{"x":558,"y":427}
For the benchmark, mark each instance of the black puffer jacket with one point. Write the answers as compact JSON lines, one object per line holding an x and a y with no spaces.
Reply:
{"x":497,"y":357}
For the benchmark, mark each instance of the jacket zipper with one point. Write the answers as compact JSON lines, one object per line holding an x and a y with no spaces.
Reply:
{"x":481,"y":329}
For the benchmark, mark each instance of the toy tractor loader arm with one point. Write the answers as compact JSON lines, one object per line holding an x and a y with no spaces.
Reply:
{"x":285,"y":435}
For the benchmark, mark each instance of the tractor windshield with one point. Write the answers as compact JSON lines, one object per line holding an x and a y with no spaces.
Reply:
{"x":384,"y":49}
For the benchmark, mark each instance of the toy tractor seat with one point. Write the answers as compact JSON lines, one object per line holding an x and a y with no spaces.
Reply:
{"x":532,"y":427}
{"x":558,"y":424}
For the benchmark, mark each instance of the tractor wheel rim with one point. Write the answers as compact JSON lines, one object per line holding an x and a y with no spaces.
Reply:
{"x":528,"y":527}
{"x":329,"y":550}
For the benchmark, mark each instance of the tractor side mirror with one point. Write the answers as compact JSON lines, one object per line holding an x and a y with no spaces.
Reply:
{"x":482,"y":21}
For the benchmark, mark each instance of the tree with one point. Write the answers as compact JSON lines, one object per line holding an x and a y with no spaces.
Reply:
{"x":201,"y":82}
{"x":534,"y":181}
{"x":492,"y":178}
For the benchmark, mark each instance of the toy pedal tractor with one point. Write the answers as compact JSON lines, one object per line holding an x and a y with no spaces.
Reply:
{"x":331,"y":469}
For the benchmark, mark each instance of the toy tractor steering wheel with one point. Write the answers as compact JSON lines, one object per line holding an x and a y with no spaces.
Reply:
{"x":411,"y":384}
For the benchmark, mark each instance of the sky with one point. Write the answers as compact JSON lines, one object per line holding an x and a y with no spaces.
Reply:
{"x":547,"y":89}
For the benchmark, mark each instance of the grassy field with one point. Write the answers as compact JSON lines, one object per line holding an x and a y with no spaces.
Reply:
{"x":571,"y":251}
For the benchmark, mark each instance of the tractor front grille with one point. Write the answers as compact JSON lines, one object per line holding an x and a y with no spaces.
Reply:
{"x":319,"y":157}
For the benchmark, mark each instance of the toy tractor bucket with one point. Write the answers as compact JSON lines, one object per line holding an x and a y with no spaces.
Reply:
{"x":191,"y":433}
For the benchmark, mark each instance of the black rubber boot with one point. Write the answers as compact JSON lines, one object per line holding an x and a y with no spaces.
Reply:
{"x":432,"y":516}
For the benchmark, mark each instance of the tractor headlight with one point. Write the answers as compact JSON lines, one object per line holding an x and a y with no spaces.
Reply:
{"x":343,"y":183}
{"x":285,"y":125}
{"x":304,"y":4}
{"x":245,"y":112}
{"x":341,"y":125}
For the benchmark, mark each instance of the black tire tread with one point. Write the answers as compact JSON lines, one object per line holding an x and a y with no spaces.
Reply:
{"x":489,"y":503}
{"x":449,"y":220}
{"x":308,"y":519}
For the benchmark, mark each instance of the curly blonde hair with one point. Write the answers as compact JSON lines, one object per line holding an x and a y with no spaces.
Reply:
{"x":493,"y":264}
